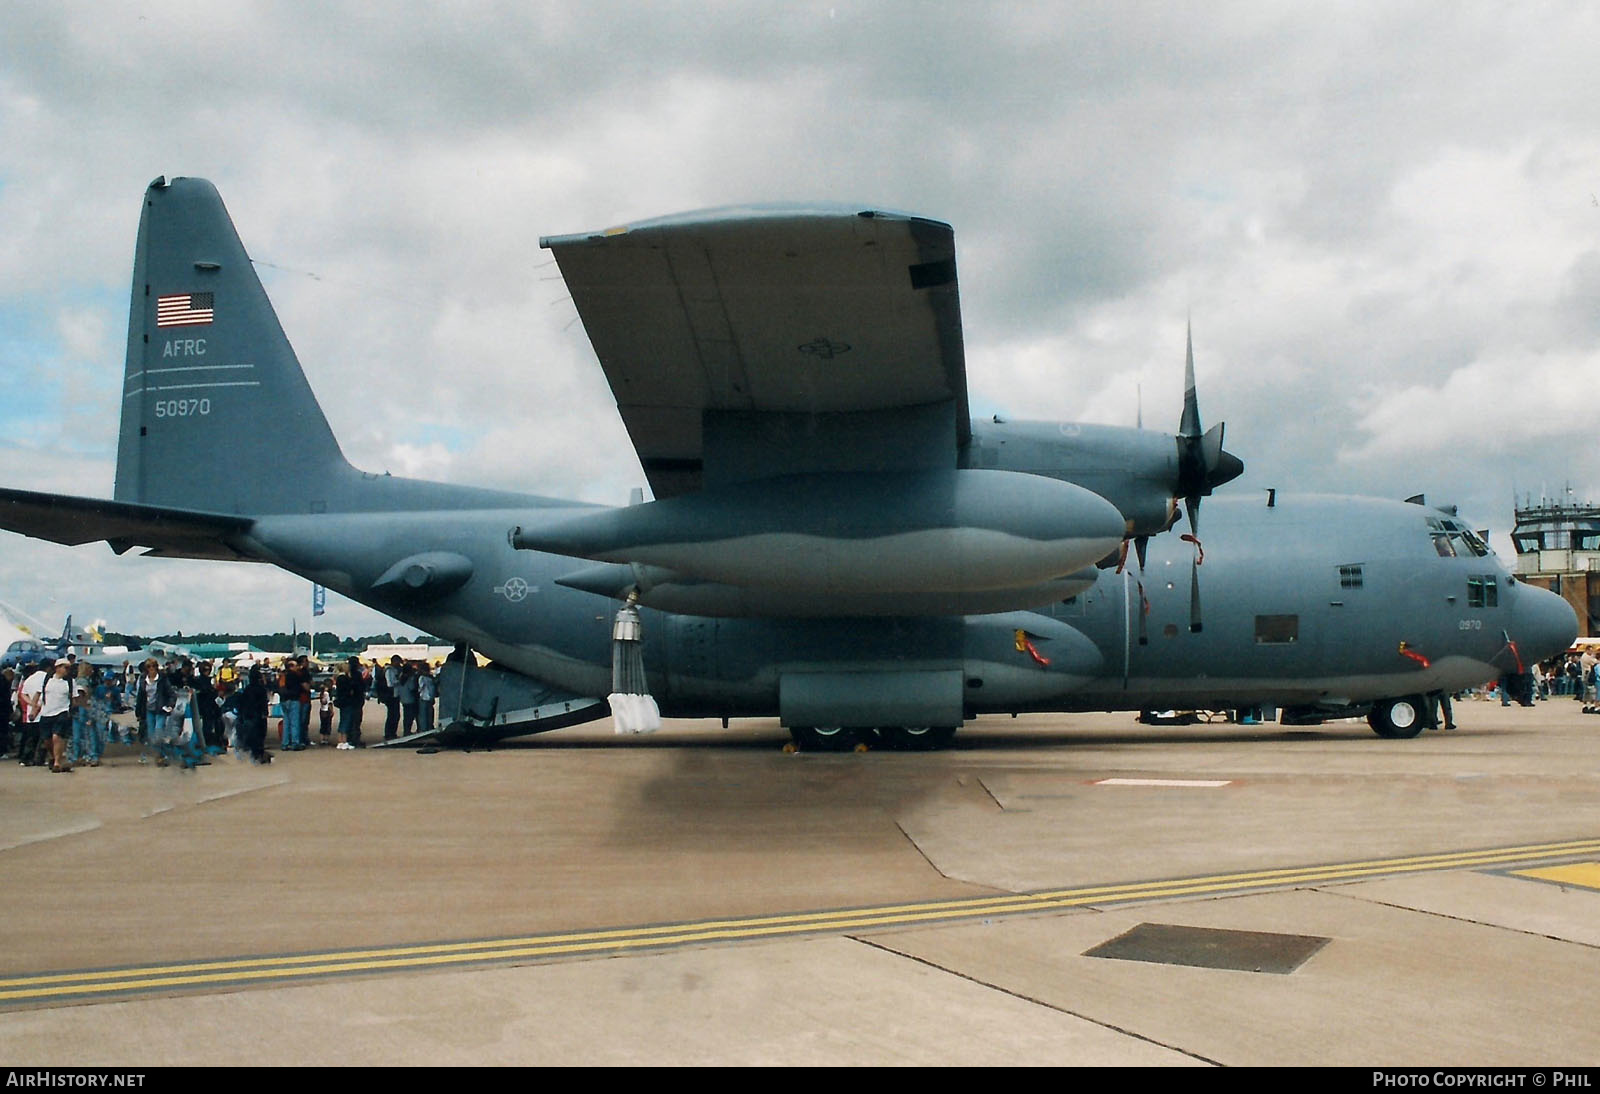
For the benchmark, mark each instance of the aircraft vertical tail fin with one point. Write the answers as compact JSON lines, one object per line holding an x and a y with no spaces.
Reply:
{"x":216,"y":411}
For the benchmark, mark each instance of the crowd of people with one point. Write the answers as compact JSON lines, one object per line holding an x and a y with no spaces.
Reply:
{"x":1576,"y":675}
{"x":59,"y":714}
{"x":62,"y":713}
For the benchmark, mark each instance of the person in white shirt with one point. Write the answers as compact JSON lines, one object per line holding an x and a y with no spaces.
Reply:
{"x":55,"y":714}
{"x":28,"y":705}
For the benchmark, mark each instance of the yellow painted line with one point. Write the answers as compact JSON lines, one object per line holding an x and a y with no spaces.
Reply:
{"x":89,"y":984}
{"x":1583,"y":874}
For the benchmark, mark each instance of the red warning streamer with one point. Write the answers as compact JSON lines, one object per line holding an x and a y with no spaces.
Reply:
{"x":1025,"y":645}
{"x":1516,"y":653}
{"x":1407,"y":651}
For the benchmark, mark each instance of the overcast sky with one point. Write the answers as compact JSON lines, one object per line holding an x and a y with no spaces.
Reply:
{"x":1382,"y":219}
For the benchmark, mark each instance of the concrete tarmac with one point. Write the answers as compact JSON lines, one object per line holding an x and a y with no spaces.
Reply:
{"x":700,"y":896}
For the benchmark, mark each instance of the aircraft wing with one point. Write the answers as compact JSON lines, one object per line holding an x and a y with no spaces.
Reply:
{"x":176,"y":533}
{"x":766,"y":310}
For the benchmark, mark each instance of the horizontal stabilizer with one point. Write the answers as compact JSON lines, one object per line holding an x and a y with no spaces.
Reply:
{"x":70,"y":520}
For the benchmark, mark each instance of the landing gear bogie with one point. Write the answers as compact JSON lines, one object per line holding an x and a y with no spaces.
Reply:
{"x":825,"y":738}
{"x":916,"y":738}
{"x":846,"y":739}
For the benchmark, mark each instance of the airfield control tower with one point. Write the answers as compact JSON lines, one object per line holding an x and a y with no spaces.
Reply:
{"x":1558,"y":548}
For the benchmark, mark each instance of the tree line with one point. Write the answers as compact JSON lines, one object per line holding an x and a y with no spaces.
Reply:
{"x":279,"y":641}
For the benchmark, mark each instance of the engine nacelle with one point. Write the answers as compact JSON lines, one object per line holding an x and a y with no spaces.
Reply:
{"x":1137,"y":470}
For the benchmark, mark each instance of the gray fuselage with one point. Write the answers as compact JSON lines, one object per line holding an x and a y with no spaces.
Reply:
{"x":1307,"y":603}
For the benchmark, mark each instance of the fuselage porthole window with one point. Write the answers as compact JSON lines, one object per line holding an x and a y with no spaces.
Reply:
{"x":1277,"y":630}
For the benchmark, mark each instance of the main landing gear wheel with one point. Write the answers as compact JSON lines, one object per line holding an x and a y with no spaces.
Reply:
{"x":1399,"y":718}
{"x":917,"y":738}
{"x":824,"y":738}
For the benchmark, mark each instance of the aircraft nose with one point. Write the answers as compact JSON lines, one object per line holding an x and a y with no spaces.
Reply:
{"x":1543,"y":624}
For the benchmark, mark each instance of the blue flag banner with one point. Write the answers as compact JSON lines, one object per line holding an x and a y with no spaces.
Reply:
{"x":319,"y":600}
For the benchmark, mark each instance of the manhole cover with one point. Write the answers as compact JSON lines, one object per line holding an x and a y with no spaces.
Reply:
{"x":1209,"y":948}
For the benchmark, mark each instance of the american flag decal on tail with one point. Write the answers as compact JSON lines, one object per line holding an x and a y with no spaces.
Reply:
{"x":189,"y":309}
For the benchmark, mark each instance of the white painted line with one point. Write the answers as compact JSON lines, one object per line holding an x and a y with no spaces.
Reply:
{"x":1209,"y":783}
{"x":196,"y":368}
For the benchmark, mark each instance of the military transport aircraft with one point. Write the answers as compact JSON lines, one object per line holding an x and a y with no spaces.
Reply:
{"x":79,"y":640}
{"x":833,"y":540}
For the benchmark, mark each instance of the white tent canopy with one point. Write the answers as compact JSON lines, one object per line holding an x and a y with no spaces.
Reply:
{"x":15,"y":624}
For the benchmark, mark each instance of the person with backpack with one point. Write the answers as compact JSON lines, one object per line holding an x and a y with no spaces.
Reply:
{"x":253,"y":703}
{"x":55,"y":714}
{"x":406,"y":691}
{"x":386,"y":683}
{"x":427,"y":691}
{"x":349,"y":697}
{"x":153,"y":706}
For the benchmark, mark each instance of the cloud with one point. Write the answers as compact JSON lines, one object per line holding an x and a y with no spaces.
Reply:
{"x":1375,"y":214}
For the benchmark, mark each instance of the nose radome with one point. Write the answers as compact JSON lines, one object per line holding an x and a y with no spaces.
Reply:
{"x":1544,"y":624}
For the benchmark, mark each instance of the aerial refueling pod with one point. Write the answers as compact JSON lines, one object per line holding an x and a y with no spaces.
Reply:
{"x":668,"y":591}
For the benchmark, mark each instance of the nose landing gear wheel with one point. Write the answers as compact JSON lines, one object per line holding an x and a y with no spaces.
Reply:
{"x":1399,"y":718}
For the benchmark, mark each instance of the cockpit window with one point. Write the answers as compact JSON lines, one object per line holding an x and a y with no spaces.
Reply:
{"x":1468,"y":539}
{"x":1482,"y":591}
{"x":1452,"y":539}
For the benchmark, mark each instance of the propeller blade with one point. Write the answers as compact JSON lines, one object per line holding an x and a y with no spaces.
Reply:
{"x":1194,"y":596}
{"x":1211,"y":450}
{"x":1189,"y":424}
{"x":1203,"y":464}
{"x":1144,"y":617}
{"x":1192,"y":505}
{"x":1220,"y":466}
